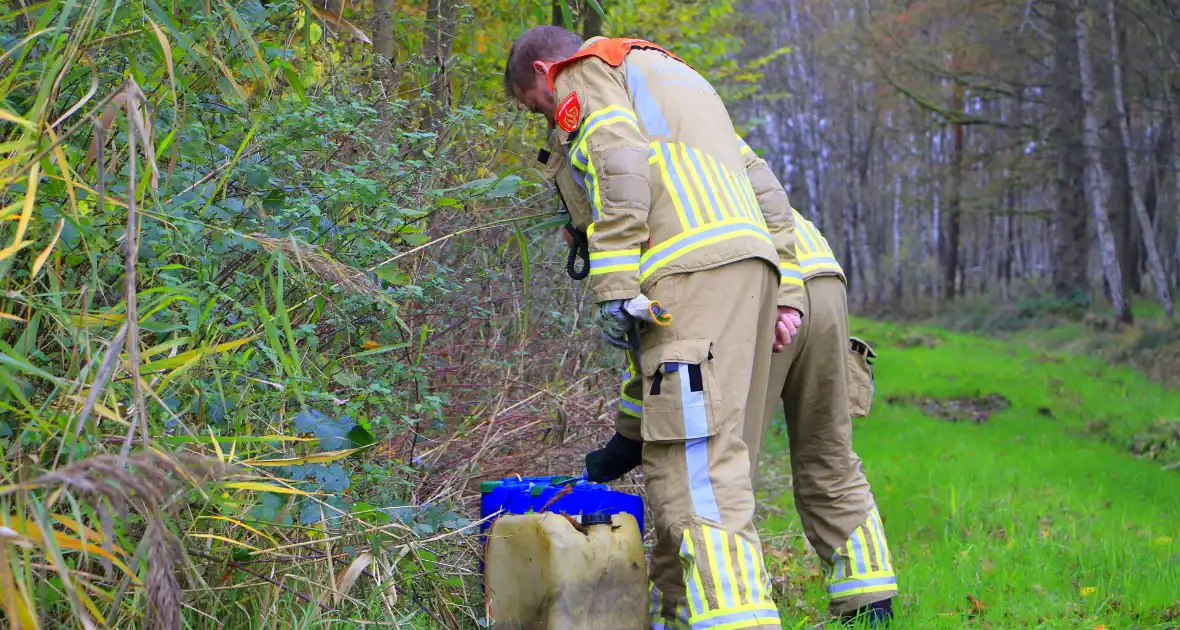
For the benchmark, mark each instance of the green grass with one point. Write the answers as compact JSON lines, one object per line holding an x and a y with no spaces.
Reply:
{"x":1048,"y":523}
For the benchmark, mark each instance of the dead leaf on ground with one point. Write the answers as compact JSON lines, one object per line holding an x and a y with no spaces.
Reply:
{"x":978,"y":608}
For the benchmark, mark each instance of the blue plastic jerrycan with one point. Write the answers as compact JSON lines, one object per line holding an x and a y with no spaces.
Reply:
{"x":523,"y":495}
{"x":560,"y":552}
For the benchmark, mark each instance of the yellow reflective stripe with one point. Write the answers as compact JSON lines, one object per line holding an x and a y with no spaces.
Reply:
{"x":710,"y":167}
{"x":711,"y":536}
{"x":751,"y":616}
{"x":875,"y":543}
{"x":828,"y":266}
{"x":680,"y":173}
{"x":613,"y":261}
{"x":860,"y":550}
{"x":739,"y":209}
{"x":752,"y":231}
{"x":744,"y":568}
{"x":743,"y":148}
{"x":598,"y":271}
{"x":805,"y":241}
{"x":743,"y":196}
{"x":718,"y":171}
{"x":672,"y":192}
{"x":730,"y":575}
{"x":613,"y":253}
{"x":592,"y":182}
{"x":878,"y":528}
{"x":747,"y":190}
{"x":595,"y":121}
{"x":880,"y":588}
{"x":697,"y":604}
{"x":760,"y":580}
{"x":709,"y":212}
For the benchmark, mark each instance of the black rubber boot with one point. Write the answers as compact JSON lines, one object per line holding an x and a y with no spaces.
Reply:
{"x":619,"y":457}
{"x":876,"y":614}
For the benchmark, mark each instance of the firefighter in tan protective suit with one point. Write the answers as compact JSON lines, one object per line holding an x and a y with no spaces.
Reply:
{"x":673,"y":216}
{"x":823,"y":379}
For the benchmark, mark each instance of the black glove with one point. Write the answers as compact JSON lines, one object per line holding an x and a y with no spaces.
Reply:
{"x":619,"y":457}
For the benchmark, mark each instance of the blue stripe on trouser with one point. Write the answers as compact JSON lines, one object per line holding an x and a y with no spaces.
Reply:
{"x":657,"y":609}
{"x":767,"y":615}
{"x":860,"y":585}
{"x":862,"y":565}
{"x":696,"y":447}
{"x":740,"y":599}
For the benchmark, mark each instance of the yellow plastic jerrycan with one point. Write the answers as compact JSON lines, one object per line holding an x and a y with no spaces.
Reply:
{"x":547,"y":572}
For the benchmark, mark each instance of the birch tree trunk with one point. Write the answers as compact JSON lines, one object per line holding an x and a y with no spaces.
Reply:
{"x":897,"y":227}
{"x":1158,"y":277}
{"x":1097,"y":184}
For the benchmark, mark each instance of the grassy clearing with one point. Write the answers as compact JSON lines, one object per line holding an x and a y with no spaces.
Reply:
{"x":1037,"y":517}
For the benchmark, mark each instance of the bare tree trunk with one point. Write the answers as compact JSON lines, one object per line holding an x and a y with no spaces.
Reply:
{"x":384,"y":63}
{"x":592,"y":23}
{"x":808,"y":150}
{"x":954,"y":208}
{"x":559,"y":15}
{"x":1176,"y":172}
{"x":1070,"y":243}
{"x":1097,"y":184}
{"x":1158,"y":277}
{"x":860,"y":243}
{"x":897,"y":228}
{"x":440,"y":34}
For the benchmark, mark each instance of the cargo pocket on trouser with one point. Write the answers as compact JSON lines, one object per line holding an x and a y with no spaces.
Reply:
{"x":861,"y":570}
{"x":860,"y":377}
{"x":723,"y":573}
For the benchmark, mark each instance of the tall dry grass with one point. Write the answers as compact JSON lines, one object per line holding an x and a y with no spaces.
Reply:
{"x":123,"y":502}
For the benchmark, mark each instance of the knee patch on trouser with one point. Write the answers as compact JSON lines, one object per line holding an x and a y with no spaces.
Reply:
{"x":861,"y":570}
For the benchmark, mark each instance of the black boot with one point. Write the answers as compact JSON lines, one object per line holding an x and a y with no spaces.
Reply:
{"x":619,"y":457}
{"x":876,"y":614}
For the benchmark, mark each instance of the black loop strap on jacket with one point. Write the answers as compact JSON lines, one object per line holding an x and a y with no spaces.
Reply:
{"x":579,"y":248}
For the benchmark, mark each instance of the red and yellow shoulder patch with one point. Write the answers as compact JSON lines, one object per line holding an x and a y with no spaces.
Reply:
{"x":569,"y":112}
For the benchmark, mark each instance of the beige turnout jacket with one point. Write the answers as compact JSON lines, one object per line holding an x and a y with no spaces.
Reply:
{"x":652,"y":169}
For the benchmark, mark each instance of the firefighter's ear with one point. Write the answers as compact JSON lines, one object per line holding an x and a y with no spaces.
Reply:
{"x":541,"y":67}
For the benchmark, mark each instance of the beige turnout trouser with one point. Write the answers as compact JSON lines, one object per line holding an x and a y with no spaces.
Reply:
{"x":703,"y":380}
{"x":832,"y":495}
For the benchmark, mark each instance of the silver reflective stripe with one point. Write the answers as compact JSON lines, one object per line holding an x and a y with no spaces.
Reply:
{"x":654,"y":123}
{"x":696,"y":448}
{"x":852,"y":585}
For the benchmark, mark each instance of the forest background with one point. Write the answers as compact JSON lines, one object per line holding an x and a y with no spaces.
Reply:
{"x":280,"y":282}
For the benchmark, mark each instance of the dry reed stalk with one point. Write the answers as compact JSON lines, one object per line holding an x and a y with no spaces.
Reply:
{"x":313,"y":259}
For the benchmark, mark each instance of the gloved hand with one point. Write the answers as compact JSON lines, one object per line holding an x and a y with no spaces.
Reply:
{"x":619,"y":457}
{"x":614,"y":322}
